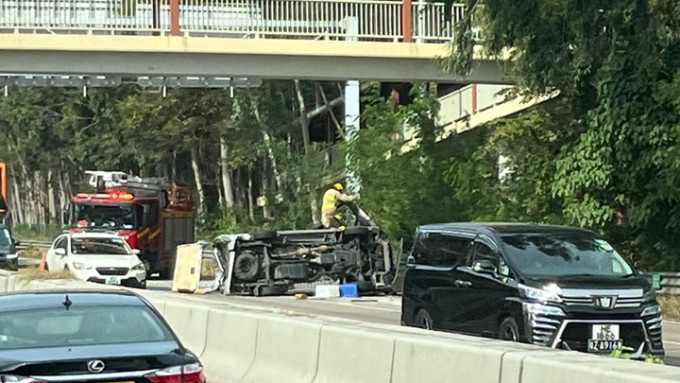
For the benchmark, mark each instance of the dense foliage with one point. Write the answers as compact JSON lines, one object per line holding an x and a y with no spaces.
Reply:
{"x":233,"y":151}
{"x":610,"y":156}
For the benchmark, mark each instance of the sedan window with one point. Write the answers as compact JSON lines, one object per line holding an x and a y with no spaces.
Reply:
{"x":99,"y":246}
{"x":88,"y":325}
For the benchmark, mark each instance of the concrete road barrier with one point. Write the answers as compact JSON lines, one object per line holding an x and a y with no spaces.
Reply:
{"x":433,"y":360}
{"x":353,"y":355}
{"x":190,"y":324}
{"x":230,"y":347}
{"x":286,"y":350}
{"x":245,"y":347}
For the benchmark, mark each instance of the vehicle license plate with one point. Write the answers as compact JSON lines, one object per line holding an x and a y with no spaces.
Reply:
{"x":605,"y":337}
{"x":113,"y":281}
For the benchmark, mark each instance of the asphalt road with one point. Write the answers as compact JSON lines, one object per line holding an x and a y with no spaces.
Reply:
{"x":379,"y":309}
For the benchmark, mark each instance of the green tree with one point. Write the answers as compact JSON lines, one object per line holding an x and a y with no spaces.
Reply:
{"x":615,"y":65}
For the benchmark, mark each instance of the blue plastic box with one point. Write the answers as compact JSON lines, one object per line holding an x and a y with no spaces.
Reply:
{"x":350,"y":290}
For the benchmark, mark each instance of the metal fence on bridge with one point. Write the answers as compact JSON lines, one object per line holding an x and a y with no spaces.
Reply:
{"x":377,"y":20}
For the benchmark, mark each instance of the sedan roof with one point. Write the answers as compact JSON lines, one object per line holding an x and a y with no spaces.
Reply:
{"x":30,"y":300}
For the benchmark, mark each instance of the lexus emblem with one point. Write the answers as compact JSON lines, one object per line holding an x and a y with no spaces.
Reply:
{"x":605,"y":302}
{"x":95,"y":366}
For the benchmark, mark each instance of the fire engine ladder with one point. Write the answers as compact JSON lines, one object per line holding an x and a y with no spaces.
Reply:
{"x":150,"y":186}
{"x":119,"y":180}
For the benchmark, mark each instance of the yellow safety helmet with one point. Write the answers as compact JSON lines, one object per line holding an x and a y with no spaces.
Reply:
{"x":338,"y":186}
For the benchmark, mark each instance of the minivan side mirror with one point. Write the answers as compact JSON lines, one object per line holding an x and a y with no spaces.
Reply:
{"x":60,"y":252}
{"x":17,"y":243}
{"x":136,"y":251}
{"x":483,"y":266}
{"x":410,"y":261}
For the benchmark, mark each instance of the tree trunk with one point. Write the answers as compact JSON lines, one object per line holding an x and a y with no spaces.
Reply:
{"x":227,"y":182}
{"x":51,"y":198}
{"x":304,"y":123}
{"x":265,"y":135}
{"x":30,"y":202}
{"x":63,"y":197}
{"x":174,"y":166}
{"x":199,"y":185}
{"x":318,"y":111}
{"x":266,"y":212}
{"x":17,"y":209}
{"x":68,"y":186}
{"x":38,"y":187}
{"x":220,"y":190}
{"x":251,"y":204}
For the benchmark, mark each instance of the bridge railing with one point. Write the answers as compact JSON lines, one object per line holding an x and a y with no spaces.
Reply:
{"x":366,"y":20}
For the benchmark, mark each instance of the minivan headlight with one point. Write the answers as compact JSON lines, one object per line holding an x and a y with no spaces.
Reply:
{"x":649,"y":296}
{"x":537,"y":308}
{"x":13,"y":256}
{"x":548,"y":293}
{"x":651,"y":310}
{"x":138,"y":267}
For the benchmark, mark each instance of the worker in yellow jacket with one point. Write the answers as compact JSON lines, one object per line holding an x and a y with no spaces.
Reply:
{"x":333,"y":199}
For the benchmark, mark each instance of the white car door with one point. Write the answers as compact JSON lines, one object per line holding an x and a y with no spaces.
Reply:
{"x":58,"y":254}
{"x":49,"y":255}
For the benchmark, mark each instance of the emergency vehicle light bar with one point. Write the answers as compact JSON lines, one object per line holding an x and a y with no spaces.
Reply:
{"x":121,"y":196}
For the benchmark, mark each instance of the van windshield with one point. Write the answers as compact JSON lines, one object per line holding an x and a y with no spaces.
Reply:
{"x":563,"y":254}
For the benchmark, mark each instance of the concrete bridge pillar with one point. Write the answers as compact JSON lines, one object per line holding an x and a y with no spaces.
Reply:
{"x":352,"y":104}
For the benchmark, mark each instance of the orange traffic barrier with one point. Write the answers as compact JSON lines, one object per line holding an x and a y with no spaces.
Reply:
{"x":42,"y":263}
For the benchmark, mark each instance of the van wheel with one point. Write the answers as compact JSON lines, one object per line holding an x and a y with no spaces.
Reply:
{"x":423,"y":320}
{"x":508,"y":330}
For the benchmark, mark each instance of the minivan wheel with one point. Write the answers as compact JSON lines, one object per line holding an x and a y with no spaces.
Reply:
{"x":423,"y":320}
{"x":13,"y":264}
{"x":508,"y":330}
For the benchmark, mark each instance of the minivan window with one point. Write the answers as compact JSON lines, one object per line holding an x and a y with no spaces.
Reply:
{"x":5,"y":237}
{"x":442,"y":250}
{"x":484,"y":252}
{"x":563,"y":254}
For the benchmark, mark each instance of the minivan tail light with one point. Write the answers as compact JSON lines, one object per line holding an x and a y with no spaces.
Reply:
{"x":189,"y":373}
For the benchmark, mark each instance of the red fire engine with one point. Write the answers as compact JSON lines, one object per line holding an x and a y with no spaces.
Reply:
{"x":152,"y":214}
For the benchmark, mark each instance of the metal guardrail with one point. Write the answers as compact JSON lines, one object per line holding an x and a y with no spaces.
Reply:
{"x":367,"y":20}
{"x":25,"y":244}
{"x":670,"y":283}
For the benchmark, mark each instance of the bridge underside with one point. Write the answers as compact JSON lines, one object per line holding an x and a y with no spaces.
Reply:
{"x":267,"y":59}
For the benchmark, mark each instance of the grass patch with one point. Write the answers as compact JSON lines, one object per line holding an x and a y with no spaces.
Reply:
{"x":31,"y":252}
{"x":33,"y":274}
{"x":45,"y":233}
{"x":670,"y":305}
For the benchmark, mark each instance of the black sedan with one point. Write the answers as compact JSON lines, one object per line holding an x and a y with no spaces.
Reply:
{"x":90,"y":336}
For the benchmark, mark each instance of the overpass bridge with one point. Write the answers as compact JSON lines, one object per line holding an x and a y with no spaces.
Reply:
{"x":324,"y":40}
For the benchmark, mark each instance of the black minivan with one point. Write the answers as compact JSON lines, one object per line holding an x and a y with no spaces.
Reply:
{"x":554,"y":286}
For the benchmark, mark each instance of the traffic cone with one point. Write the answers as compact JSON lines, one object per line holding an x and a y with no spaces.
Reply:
{"x":41,"y":267}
